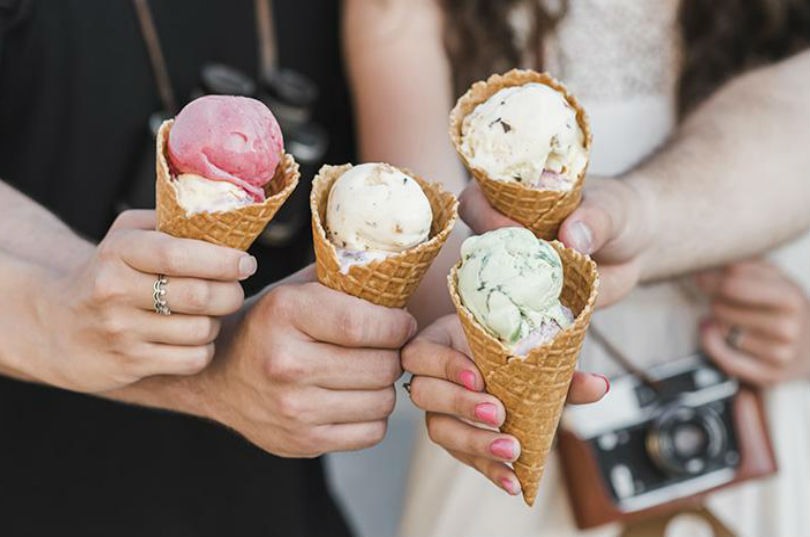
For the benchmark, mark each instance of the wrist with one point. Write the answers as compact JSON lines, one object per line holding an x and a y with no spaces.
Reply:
{"x":645,"y":219}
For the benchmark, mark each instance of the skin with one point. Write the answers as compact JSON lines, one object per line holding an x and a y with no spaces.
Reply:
{"x":298,"y":370}
{"x":688,"y":207}
{"x":771,"y":311}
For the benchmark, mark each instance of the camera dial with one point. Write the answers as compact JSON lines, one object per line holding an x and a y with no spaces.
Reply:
{"x":685,"y":440}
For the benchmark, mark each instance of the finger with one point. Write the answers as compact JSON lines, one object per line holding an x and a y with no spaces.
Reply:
{"x":181,"y":330}
{"x":498,"y":472}
{"x":331,"y":316}
{"x":426,"y":358}
{"x":135,"y":219}
{"x":156,"y":359}
{"x":351,"y":436}
{"x":475,"y":210}
{"x":455,"y":435}
{"x":768,"y":323}
{"x":734,"y":362}
{"x":755,"y":345}
{"x":615,"y":282}
{"x":587,"y":388}
{"x":335,"y":407}
{"x":339,"y":368}
{"x":443,"y":397}
{"x":187,"y":295}
{"x":157,"y":253}
{"x":744,"y":289}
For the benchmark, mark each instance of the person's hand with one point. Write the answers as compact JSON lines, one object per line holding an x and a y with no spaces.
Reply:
{"x":614,"y":224}
{"x":462,"y":418}
{"x":308,"y":370}
{"x":98,"y":325}
{"x":759,"y":326}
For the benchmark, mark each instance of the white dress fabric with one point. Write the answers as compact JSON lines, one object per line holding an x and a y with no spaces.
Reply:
{"x":621,"y":59}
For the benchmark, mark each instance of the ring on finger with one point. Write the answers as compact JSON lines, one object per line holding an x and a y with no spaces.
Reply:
{"x":735,"y":334}
{"x":159,"y":295}
{"x":407,"y":385}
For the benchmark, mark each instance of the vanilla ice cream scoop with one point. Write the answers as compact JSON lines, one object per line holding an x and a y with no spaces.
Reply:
{"x":511,"y":283}
{"x":528,"y":134}
{"x":198,"y":194}
{"x":377,"y":208}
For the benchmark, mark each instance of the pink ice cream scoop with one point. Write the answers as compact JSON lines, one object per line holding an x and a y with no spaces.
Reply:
{"x":227,"y":138}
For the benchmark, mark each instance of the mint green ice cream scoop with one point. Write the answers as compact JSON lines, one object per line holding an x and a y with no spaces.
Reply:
{"x":511,"y":282}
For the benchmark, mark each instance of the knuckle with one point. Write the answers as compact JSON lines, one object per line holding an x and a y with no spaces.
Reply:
{"x":350,"y":327}
{"x":279,"y":302}
{"x":235,"y":296}
{"x":199,"y":358}
{"x":394,"y":369}
{"x":114,"y":325}
{"x":389,"y":401}
{"x":196,"y":296}
{"x":284,"y":367}
{"x":374,"y":433}
{"x":203,"y":329}
{"x":106,"y":284}
{"x":433,"y":428}
{"x":170,"y":258}
{"x":289,"y":406}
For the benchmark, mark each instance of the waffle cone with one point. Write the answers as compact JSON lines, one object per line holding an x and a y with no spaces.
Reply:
{"x":390,"y":281}
{"x":540,"y":210}
{"x":533,"y":389}
{"x":237,"y":228}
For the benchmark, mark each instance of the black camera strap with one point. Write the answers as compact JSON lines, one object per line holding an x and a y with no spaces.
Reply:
{"x":265,"y":29}
{"x":619,"y":357}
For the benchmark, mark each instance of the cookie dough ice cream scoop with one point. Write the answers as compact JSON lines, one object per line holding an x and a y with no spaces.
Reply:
{"x":375,"y":210}
{"x":528,"y":134}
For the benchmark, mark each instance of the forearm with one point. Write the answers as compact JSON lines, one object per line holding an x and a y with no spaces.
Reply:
{"x":734,"y":180}
{"x":29,"y":232}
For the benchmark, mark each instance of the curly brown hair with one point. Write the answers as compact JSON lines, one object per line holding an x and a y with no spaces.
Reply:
{"x":721,"y":38}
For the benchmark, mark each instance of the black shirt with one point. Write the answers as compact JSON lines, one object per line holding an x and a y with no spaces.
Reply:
{"x":76,"y":92}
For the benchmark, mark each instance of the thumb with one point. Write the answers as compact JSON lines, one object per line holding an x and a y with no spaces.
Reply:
{"x":589,"y":227}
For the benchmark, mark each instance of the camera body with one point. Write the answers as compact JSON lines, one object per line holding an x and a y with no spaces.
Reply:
{"x":649,"y":446}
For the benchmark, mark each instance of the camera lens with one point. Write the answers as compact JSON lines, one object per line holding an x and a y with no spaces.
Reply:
{"x":685,"y":440}
{"x":290,"y":95}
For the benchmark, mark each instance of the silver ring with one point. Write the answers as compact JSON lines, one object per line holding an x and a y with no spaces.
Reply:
{"x":407,"y":385}
{"x":735,"y":334}
{"x":159,"y":295}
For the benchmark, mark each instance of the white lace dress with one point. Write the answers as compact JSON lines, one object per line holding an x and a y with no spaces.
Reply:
{"x":621,"y":58}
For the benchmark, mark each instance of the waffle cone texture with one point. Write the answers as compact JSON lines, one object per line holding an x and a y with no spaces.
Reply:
{"x":540,"y":210}
{"x":387,"y":282}
{"x":533,"y":388}
{"x":237,"y":228}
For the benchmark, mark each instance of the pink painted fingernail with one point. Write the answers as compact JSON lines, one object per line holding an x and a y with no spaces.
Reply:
{"x":504,"y":448}
{"x":468,"y":380}
{"x":510,"y":486}
{"x":488,"y":413}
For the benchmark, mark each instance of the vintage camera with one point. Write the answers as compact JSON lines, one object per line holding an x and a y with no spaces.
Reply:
{"x":657,"y":444}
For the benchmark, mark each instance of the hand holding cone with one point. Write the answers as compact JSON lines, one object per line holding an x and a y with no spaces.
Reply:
{"x":533,"y":388}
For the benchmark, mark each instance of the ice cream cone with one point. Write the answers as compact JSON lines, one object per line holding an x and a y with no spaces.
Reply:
{"x":533,"y":388}
{"x":390,"y":281}
{"x":237,"y":228}
{"x":540,"y":210}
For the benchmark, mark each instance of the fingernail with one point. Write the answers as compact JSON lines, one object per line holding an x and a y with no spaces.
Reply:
{"x":247,"y":266}
{"x":414,"y":328}
{"x":467,"y":380}
{"x":510,"y":486}
{"x":607,"y":382}
{"x":581,"y":237}
{"x":504,"y":448}
{"x":487,"y":413}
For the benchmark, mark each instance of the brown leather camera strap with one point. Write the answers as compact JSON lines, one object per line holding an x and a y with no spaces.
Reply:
{"x":266,"y":30}
{"x":156,"y":59}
